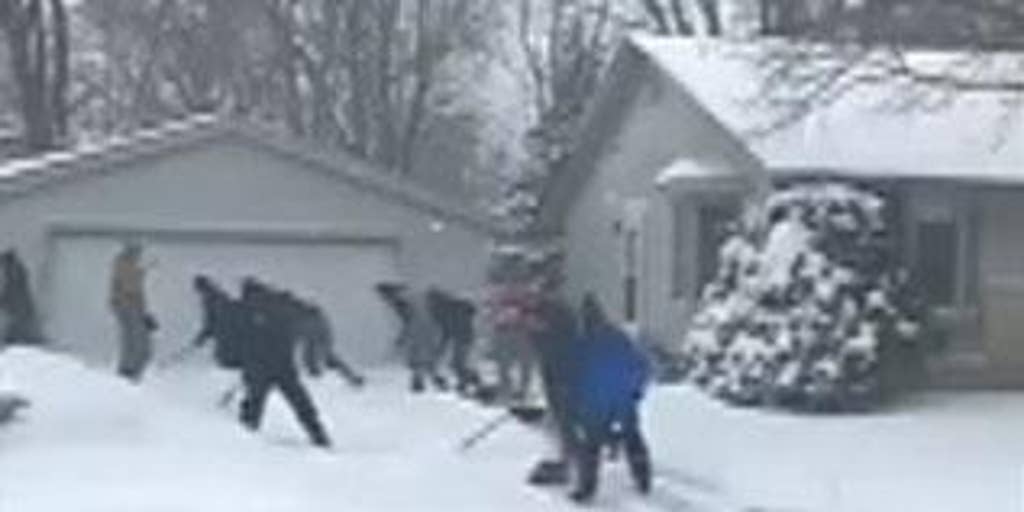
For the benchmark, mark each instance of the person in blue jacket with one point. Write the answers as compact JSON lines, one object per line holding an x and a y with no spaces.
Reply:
{"x":608,"y":385}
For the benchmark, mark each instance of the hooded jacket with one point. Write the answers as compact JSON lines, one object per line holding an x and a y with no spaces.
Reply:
{"x":609,"y":376}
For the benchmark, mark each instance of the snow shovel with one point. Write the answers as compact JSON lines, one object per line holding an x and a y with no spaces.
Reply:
{"x":228,"y":395}
{"x":524,"y":413}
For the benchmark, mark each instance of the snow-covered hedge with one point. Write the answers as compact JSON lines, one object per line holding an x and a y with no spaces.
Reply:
{"x":806,"y":301}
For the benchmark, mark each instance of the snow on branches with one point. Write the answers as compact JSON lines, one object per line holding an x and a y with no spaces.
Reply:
{"x":806,"y":300}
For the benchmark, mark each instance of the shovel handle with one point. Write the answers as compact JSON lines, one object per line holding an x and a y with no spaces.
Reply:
{"x":484,"y":431}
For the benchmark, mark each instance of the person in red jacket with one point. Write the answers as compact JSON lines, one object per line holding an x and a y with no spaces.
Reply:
{"x":512,"y":314}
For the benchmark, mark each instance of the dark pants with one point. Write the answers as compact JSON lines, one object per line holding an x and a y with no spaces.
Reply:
{"x":136,"y":346}
{"x":465,"y":376}
{"x":594,"y":437}
{"x":557,"y":396}
{"x":257,"y":389}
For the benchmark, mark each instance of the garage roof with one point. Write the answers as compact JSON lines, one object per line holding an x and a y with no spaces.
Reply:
{"x":25,"y":176}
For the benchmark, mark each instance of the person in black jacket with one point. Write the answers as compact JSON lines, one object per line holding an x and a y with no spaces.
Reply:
{"x":454,"y":318}
{"x":392,"y":295}
{"x":222,"y":323}
{"x":269,"y":360}
{"x":17,"y":301}
{"x":553,"y":343}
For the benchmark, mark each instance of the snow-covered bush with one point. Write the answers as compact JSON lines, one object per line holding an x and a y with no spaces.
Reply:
{"x":806,"y":302}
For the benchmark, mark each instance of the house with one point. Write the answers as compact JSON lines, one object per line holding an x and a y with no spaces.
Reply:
{"x":214,"y":196}
{"x":672,"y":147}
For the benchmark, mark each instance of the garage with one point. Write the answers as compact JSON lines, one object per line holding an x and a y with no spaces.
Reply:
{"x":337,"y":273}
{"x":230,"y":200}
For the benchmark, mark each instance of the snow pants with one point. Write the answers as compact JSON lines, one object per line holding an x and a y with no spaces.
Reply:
{"x":465,"y":376}
{"x":136,"y":346}
{"x":258,"y":386}
{"x":516,"y":361}
{"x":423,"y":351}
{"x":558,"y":398}
{"x":594,"y":437}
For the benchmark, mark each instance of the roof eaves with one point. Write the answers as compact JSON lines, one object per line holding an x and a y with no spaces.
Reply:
{"x":24,"y":176}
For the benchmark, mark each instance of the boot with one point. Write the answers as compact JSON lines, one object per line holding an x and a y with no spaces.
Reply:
{"x":550,"y":472}
{"x":639,"y":462}
{"x":439,"y":382}
{"x":417,"y":384}
{"x":588,"y":465}
{"x":320,"y":439}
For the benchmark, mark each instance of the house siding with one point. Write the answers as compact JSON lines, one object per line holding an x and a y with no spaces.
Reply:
{"x":653,"y":135}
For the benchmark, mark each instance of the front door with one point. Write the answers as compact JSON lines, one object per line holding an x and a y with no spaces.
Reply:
{"x":1002,"y":268}
{"x":943,"y":237}
{"x":632,"y":237}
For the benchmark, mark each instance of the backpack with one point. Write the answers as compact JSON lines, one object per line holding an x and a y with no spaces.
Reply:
{"x":229,"y":334}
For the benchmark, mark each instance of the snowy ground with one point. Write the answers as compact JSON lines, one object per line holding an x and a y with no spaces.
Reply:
{"x":91,"y":443}
{"x":938,"y":452}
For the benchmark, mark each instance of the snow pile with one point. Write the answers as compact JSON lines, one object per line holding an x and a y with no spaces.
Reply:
{"x":92,"y":443}
{"x":806,"y":298}
{"x":939,"y":452}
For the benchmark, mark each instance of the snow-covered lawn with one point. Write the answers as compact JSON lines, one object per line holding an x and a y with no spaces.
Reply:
{"x":938,"y":452}
{"x":92,"y":443}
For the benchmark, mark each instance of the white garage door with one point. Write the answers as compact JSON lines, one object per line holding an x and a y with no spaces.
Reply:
{"x":338,"y":275}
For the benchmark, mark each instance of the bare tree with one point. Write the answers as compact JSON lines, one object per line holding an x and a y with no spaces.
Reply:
{"x":565,"y":45}
{"x":140,"y":62}
{"x":838,"y":45}
{"x":566,"y":48}
{"x":684,"y":17}
{"x":348,"y":73}
{"x":37,"y":33}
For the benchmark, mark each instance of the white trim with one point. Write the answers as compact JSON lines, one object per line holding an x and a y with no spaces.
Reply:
{"x":235,"y":232}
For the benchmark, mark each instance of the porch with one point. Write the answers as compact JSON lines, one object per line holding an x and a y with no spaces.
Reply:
{"x":963,"y":243}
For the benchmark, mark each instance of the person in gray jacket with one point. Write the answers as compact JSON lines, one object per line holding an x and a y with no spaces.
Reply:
{"x":313,"y":330}
{"x":422,"y":342}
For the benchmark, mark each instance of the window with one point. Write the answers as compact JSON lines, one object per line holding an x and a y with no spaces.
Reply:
{"x":944,"y":257}
{"x":679,"y":249}
{"x":713,"y":221}
{"x":937,"y":261}
{"x":692,"y":269}
{"x":629,"y":282}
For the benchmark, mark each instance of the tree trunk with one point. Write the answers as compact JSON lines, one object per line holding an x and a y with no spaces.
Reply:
{"x":656,"y":13}
{"x":712,"y":16}
{"x":61,"y":64}
{"x":423,"y":79}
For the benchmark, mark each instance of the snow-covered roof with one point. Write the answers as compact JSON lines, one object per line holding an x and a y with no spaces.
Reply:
{"x":686,"y":169}
{"x":22,"y":176}
{"x":868,"y":130}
